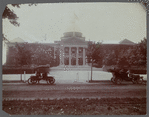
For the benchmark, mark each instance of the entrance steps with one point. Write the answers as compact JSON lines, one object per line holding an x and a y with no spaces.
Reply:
{"x":75,"y":68}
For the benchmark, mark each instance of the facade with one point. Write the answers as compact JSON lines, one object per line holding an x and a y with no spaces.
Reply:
{"x":72,"y":49}
{"x":69,"y":51}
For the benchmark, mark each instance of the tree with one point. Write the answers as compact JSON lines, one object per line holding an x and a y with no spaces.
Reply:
{"x":10,"y":15}
{"x":42,"y":54}
{"x":136,"y":56}
{"x":110,"y":59}
{"x":133,"y":56}
{"x":22,"y":55}
{"x":33,"y":54}
{"x":94,"y":53}
{"x":139,"y":55}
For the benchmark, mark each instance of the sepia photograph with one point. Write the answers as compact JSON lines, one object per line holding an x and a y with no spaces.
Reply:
{"x":79,"y":58}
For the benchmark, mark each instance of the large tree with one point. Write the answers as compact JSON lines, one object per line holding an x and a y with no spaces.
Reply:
{"x":23,"y":54}
{"x":33,"y":54}
{"x":10,"y":15}
{"x":138,"y":55}
{"x":42,"y":55}
{"x":94,"y":53}
{"x":134,"y":56}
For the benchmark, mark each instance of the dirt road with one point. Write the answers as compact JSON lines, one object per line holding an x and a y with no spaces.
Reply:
{"x":84,"y":90}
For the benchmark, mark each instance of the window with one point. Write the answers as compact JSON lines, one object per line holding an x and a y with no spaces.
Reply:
{"x":66,"y":50}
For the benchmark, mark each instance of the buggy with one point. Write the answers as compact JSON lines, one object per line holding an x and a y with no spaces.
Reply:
{"x":41,"y":74}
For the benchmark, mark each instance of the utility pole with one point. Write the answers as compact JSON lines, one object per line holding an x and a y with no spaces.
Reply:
{"x":21,"y":72}
{"x":91,"y":68}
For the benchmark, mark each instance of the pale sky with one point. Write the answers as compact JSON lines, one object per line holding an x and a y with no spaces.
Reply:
{"x":107,"y":22}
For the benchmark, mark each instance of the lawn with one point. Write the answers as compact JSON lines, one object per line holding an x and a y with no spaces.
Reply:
{"x":75,"y":106}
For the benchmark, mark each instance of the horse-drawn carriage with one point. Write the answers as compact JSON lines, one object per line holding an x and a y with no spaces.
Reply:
{"x":41,"y":74}
{"x":127,"y":74}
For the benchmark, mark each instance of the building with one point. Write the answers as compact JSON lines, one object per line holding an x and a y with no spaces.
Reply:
{"x":71,"y":49}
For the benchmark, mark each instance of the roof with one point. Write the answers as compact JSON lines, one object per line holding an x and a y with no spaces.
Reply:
{"x":73,"y":41}
{"x":127,"y":42}
{"x":19,"y":40}
{"x":72,"y":38}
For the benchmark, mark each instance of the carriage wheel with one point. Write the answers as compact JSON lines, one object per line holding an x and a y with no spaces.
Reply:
{"x":139,"y":80}
{"x":134,"y":81}
{"x":34,"y":81}
{"x":118,"y":81}
{"x":31,"y":81}
{"x":51,"y":81}
{"x":112,"y":80}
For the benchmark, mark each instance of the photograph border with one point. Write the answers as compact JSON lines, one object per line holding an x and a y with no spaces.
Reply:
{"x":3,"y":3}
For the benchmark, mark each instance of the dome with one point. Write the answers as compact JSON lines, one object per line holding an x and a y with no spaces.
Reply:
{"x":70,"y":34}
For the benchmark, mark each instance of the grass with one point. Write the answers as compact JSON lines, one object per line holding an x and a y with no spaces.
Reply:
{"x":75,"y":106}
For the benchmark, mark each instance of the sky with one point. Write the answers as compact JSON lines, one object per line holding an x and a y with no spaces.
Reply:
{"x":104,"y":21}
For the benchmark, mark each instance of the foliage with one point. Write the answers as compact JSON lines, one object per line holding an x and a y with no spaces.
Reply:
{"x":35,"y":54}
{"x":23,"y":54}
{"x":110,"y":59}
{"x":11,"y":15}
{"x":42,"y":55}
{"x":4,"y":38}
{"x":134,"y":56}
{"x":94,"y":52}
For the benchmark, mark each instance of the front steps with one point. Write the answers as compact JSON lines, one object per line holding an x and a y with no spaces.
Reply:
{"x":74,"y":68}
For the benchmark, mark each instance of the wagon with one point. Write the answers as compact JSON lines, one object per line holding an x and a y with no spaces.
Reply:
{"x":41,"y":74}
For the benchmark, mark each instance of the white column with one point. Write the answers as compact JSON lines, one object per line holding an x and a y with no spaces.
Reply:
{"x":61,"y":55}
{"x":69,"y":55}
{"x":54,"y":52}
{"x":77,"y":56}
{"x":83,"y":56}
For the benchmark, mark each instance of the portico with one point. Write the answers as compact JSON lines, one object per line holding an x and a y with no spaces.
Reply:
{"x":73,"y":49}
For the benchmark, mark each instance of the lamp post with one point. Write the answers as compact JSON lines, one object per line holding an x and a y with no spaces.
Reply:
{"x":91,"y":68}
